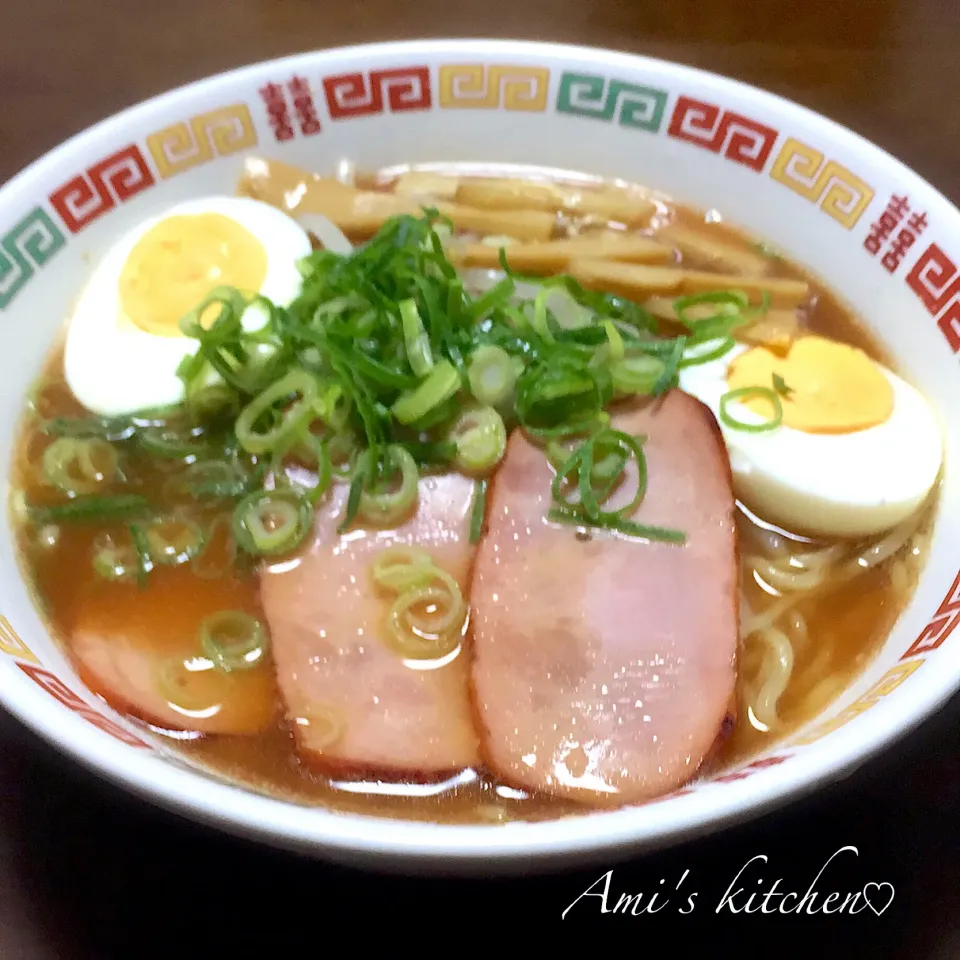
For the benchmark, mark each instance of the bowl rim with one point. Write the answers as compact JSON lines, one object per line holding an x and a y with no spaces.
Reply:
{"x":320,"y":831}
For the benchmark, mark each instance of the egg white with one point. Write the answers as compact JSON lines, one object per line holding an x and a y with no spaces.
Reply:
{"x":845,"y":485}
{"x":113,"y":368}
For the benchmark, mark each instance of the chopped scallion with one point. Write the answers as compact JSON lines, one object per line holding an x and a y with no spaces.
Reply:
{"x":440,"y":386}
{"x":481,"y":440}
{"x":744,"y":393}
{"x":271,"y":523}
{"x":233,"y":640}
{"x":492,"y":375}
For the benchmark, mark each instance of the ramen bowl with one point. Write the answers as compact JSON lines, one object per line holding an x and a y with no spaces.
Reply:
{"x":885,"y":240}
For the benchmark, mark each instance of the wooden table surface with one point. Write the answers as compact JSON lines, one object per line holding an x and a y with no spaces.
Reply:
{"x":87,"y":872}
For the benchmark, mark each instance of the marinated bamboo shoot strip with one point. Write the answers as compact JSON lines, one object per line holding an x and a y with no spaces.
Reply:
{"x":783,"y":292}
{"x":421,"y":183}
{"x":635,"y":281}
{"x":712,"y":253}
{"x":776,"y":330}
{"x":607,"y":202}
{"x":555,"y":256}
{"x":360,"y":213}
{"x":639,"y":281}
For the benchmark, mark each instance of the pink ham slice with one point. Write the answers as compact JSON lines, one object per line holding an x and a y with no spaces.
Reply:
{"x":356,"y":706}
{"x":124,"y":655}
{"x":604,"y":669}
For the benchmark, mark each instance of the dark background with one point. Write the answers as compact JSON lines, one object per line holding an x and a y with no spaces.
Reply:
{"x":87,"y":873}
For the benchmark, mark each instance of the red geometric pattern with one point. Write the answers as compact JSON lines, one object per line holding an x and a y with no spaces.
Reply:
{"x":360,"y":95}
{"x":736,"y":137}
{"x":742,"y":774}
{"x":935,"y":279}
{"x":114,"y":179}
{"x":941,"y":626}
{"x":670,"y":796}
{"x":60,"y":691}
{"x":750,"y":769}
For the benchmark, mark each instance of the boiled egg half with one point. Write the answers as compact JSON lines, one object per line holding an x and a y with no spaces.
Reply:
{"x":822,"y":440}
{"x":124,"y":342}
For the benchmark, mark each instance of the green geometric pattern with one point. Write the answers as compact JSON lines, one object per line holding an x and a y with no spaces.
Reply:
{"x":24,"y":249}
{"x":632,"y":105}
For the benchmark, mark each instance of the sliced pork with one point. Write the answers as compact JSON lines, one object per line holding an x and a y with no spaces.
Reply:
{"x":604,"y":666}
{"x":160,"y":675}
{"x":356,"y":705}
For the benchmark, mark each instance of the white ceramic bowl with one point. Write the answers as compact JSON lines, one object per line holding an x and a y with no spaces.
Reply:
{"x":806,"y":184}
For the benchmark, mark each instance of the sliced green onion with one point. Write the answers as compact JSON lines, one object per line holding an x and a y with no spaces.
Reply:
{"x":494,"y":297}
{"x":615,"y":348}
{"x":707,"y":350}
{"x":637,"y":374}
{"x":561,"y":396}
{"x":780,"y":386}
{"x":492,"y":375}
{"x":729,"y":302}
{"x":671,"y":365}
{"x":481,"y":439}
{"x":442,"y":384}
{"x":187,"y":683}
{"x":478,"y":513}
{"x":142,"y":547}
{"x":386,"y":506}
{"x":648,"y":532}
{"x":342,"y":451}
{"x":426,"y":619}
{"x":334,"y":407}
{"x":208,"y":480}
{"x":209,"y":399}
{"x":93,"y":509}
{"x":744,"y":392}
{"x":232,"y":304}
{"x":174,"y":540}
{"x":219,"y":552}
{"x":732,"y":312}
{"x":79,"y":465}
{"x":540,"y":321}
{"x":172,"y":443}
{"x":313,"y":450}
{"x":354,"y":494}
{"x":109,"y":428}
{"x":272,"y":523}
{"x":599,"y":463}
{"x":399,"y":568}
{"x":114,"y":560}
{"x":426,"y":622}
{"x":415,"y":337}
{"x":233,"y":640}
{"x":297,"y":382}
{"x":573,"y":516}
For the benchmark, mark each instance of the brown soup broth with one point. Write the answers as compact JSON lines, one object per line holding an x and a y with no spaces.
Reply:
{"x":847,"y":626}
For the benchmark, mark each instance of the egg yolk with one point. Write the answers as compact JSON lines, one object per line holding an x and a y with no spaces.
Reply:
{"x":179,"y":261}
{"x":823,"y":386}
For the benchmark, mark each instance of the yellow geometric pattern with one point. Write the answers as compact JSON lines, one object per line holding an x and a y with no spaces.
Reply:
{"x":839,"y":193}
{"x":12,"y":645}
{"x":882,"y":688}
{"x":189,"y":143}
{"x":478,"y":86}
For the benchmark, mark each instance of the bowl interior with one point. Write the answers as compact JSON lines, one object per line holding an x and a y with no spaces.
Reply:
{"x":810,"y":187}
